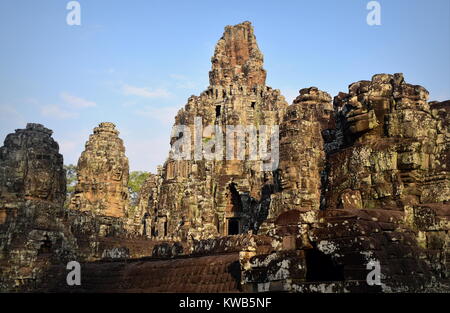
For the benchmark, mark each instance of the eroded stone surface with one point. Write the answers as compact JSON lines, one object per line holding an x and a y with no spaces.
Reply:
{"x":395,"y":148}
{"x":211,"y":197}
{"x":146,"y":214}
{"x":328,"y":251}
{"x":102,"y":174}
{"x":32,"y":166}
{"x":298,"y":180}
{"x":32,"y":192}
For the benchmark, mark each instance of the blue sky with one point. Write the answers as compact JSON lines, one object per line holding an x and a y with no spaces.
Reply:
{"x":136,"y":62}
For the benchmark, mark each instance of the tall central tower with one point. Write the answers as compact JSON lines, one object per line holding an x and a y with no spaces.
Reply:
{"x":200,"y":197}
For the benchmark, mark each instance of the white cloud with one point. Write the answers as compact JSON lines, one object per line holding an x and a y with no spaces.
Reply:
{"x":183,"y":81}
{"x":76,"y":101}
{"x":67,"y":146}
{"x":10,"y":119}
{"x":145,"y":92}
{"x":178,"y":76}
{"x":31,"y":101}
{"x":8,"y":113}
{"x":163,"y":114}
{"x":187,"y":85}
{"x":57,"y":112}
{"x":72,"y":143}
{"x":71,"y":102}
{"x":127,"y":104}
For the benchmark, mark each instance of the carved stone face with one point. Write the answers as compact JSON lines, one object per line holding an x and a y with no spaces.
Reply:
{"x":289,"y":177}
{"x":359,"y":117}
{"x":117,"y":174}
{"x":366,"y":106}
{"x":39,"y":182}
{"x":42,"y":184}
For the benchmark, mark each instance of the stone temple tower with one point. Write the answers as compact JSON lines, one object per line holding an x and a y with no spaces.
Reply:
{"x":102,"y":173}
{"x":203,"y":197}
{"x":33,"y":230}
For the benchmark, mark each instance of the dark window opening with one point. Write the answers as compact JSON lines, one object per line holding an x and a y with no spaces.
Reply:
{"x":144,"y":231}
{"x":253,"y":105}
{"x":165,"y":229}
{"x":217,"y":223}
{"x":46,"y":246}
{"x":233,"y":226}
{"x":235,"y":198}
{"x":218,"y":107}
{"x":321,"y":267}
{"x":144,"y":222}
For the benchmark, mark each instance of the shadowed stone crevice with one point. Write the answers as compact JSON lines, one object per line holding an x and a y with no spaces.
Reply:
{"x":321,"y":267}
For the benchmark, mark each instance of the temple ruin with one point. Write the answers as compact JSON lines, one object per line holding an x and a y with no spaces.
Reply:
{"x":362,"y":181}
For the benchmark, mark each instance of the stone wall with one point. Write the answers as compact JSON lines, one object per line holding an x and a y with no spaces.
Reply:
{"x":330,"y":250}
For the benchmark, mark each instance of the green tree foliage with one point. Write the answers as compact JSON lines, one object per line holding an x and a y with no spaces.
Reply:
{"x":71,"y":176}
{"x":135,"y":182}
{"x":71,"y":181}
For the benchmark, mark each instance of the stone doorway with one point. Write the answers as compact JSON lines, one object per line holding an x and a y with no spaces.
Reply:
{"x":233,"y":226}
